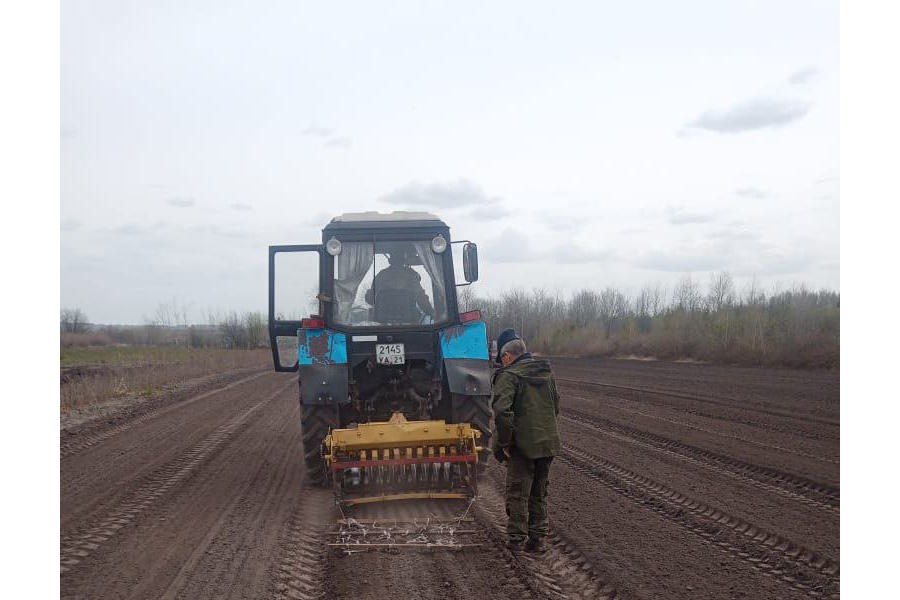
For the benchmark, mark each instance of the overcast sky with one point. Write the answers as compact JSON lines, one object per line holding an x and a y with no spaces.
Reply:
{"x":580,"y":144}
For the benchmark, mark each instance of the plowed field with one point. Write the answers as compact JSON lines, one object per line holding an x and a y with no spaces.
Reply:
{"x":675,"y":481}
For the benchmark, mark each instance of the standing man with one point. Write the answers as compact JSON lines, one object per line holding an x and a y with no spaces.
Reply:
{"x":526,"y":403}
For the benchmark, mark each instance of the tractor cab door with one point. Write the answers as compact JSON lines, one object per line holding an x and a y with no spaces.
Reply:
{"x":295,"y":294}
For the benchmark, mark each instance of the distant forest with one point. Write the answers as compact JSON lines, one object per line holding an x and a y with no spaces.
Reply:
{"x":795,"y":327}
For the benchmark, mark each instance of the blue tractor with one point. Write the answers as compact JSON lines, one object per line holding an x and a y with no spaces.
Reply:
{"x":389,"y":345}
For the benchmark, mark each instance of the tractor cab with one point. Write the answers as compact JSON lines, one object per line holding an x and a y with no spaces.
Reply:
{"x":389,"y":284}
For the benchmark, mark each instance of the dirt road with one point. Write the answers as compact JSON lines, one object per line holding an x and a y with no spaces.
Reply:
{"x":676,"y":481}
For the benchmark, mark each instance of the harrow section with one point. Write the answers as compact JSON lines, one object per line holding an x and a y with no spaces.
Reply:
{"x":355,"y":535}
{"x":400,"y":459}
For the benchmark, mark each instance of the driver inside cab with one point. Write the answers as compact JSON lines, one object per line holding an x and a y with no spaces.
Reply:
{"x":399,"y":276}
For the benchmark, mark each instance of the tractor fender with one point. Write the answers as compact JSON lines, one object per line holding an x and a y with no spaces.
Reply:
{"x":468,"y":376}
{"x":465,"y":356}
{"x":324,"y":384}
{"x":322,"y":366}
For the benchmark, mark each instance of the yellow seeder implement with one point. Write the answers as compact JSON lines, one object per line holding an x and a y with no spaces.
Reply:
{"x":400,"y":459}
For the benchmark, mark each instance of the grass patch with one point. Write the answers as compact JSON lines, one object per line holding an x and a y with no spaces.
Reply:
{"x":105,"y":374}
{"x":129,"y":355}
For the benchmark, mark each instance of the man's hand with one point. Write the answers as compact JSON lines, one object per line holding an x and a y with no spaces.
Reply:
{"x":501,"y":454}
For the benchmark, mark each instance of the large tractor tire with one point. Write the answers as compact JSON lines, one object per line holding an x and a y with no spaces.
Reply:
{"x":316,"y":421}
{"x":475,"y":410}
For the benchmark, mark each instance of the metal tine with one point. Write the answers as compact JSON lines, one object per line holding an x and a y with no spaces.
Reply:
{"x":395,"y":469}
{"x":436,"y":467}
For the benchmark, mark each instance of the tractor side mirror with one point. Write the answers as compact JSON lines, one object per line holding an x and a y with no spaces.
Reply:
{"x":470,"y":262}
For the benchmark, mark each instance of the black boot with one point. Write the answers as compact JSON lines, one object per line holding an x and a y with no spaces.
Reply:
{"x":535,"y":546}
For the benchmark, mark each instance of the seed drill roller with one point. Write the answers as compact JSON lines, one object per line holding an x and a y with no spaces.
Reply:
{"x":394,"y":379}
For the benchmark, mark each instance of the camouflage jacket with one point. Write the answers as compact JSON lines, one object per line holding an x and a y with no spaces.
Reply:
{"x":526,"y":403}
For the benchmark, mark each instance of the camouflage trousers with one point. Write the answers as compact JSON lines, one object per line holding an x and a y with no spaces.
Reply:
{"x":526,"y":497}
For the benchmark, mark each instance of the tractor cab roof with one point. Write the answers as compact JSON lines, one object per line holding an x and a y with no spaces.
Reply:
{"x":399,"y":219}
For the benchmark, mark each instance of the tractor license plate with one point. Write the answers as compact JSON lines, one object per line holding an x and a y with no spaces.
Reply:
{"x":390,"y":354}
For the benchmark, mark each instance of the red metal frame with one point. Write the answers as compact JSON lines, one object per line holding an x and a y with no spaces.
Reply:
{"x":403,"y":461}
{"x":472,"y":315}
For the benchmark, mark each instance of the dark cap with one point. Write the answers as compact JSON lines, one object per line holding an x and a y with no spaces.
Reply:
{"x":506,"y":336}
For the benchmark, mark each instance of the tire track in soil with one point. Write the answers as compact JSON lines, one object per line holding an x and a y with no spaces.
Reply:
{"x":101,"y":476}
{"x":78,"y":545}
{"x":771,"y":554}
{"x":225,"y":563}
{"x":801,"y":391}
{"x":561,"y":572}
{"x":733,"y":404}
{"x":817,"y":436}
{"x":721,"y":434}
{"x":73,"y":446}
{"x":300,"y":574}
{"x":797,"y":488}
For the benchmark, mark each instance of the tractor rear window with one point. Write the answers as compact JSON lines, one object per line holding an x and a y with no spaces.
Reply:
{"x":389,"y":283}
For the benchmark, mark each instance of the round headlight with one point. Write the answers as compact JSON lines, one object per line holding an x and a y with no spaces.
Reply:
{"x":333,"y":247}
{"x":439,"y":244}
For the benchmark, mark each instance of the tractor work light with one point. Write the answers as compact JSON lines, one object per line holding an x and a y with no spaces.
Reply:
{"x":333,"y":246}
{"x":439,"y":244}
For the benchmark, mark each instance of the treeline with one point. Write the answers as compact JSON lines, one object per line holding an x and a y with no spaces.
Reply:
{"x":790,"y":327}
{"x":717,"y":323}
{"x":169,"y":326}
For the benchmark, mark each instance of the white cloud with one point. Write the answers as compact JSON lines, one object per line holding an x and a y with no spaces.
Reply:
{"x":755,"y":114}
{"x":491,"y":211}
{"x":450,"y":194}
{"x":317,"y":131}
{"x":181,"y":202}
{"x":680,"y":262}
{"x":679,"y":216}
{"x":69,"y":224}
{"x":803,"y":76}
{"x":511,"y":246}
{"x":338,"y":142}
{"x":751,"y":192}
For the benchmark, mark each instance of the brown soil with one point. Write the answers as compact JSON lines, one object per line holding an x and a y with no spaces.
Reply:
{"x":675,"y":481}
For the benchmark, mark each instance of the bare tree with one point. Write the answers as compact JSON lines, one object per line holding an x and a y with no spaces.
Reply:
{"x":257,"y":329}
{"x":686,"y":296}
{"x":584,"y":307}
{"x":234,"y":334}
{"x":72,"y":320}
{"x":753,"y":293}
{"x":517,"y":312}
{"x":465,"y":297}
{"x":171,"y":314}
{"x":164,"y":315}
{"x":720,"y":305}
{"x":547,"y":309}
{"x":721,"y":292}
{"x":611,"y":306}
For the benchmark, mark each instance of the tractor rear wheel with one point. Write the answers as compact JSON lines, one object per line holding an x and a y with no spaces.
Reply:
{"x":475,"y":410}
{"x":316,"y":421}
